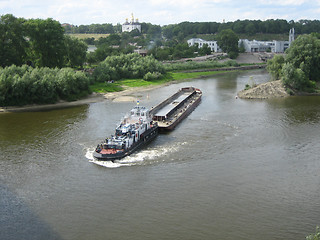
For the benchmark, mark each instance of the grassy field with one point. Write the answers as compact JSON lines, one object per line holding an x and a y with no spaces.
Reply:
{"x":89,"y":35}
{"x":125,"y":83}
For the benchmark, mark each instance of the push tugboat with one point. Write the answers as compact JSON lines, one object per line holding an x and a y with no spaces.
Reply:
{"x":135,"y":130}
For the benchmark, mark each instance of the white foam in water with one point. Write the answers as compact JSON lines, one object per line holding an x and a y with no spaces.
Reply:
{"x":89,"y":153}
{"x":108,"y":164}
{"x":135,"y":158}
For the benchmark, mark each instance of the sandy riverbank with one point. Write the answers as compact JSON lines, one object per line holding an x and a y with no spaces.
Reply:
{"x":127,"y":95}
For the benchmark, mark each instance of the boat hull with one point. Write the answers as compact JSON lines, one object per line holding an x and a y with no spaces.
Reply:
{"x":147,"y":137}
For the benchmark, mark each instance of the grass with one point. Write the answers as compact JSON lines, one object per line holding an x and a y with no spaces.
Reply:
{"x":178,"y":76}
{"x":96,"y":36}
{"x":117,"y":86}
{"x":102,"y":87}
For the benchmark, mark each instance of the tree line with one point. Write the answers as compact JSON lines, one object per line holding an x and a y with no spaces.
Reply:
{"x":249,"y":27}
{"x":184,"y":29}
{"x":38,"y":43}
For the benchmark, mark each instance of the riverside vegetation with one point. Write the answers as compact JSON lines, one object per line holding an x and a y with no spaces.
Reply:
{"x":28,"y":85}
{"x":296,"y":72}
{"x":299,"y":67}
{"x":40,"y":63}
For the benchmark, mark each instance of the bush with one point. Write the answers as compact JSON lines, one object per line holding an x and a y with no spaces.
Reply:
{"x":152,"y":76}
{"x":294,"y":77}
{"x":126,"y":66}
{"x":274,"y":66}
{"x":27,"y":85}
{"x":199,"y":65}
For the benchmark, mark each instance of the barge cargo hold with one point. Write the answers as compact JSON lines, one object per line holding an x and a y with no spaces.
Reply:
{"x":175,"y":108}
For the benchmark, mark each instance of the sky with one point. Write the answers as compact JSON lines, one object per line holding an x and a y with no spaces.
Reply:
{"x":161,"y":12}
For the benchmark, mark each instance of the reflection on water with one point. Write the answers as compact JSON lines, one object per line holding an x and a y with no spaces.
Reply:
{"x":234,"y":169}
{"x":299,"y":109}
{"x":17,"y":221}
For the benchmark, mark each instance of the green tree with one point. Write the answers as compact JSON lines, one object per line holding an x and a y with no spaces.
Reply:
{"x":13,"y":43}
{"x":76,"y":51}
{"x":294,"y":77}
{"x":47,"y":46}
{"x":274,"y":66}
{"x":205,"y":50}
{"x":304,"y":53}
{"x":228,"y":42}
{"x":299,"y":69}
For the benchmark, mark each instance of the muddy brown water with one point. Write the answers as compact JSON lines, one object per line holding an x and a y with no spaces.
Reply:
{"x":234,"y":169}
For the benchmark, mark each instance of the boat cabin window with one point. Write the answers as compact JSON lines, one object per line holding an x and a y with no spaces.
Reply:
{"x":142,"y":114}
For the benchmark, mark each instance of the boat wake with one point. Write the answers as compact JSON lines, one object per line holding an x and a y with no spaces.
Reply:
{"x":143,"y":157}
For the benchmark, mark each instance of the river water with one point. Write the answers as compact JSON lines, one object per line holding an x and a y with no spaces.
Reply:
{"x":234,"y":169}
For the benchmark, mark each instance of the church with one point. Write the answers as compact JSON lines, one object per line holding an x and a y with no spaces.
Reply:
{"x":130,"y":26}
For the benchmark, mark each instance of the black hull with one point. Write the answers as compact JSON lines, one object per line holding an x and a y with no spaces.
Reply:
{"x":148,"y":136}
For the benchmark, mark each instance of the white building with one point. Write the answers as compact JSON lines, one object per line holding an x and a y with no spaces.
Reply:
{"x":263,"y":46}
{"x":249,"y":46}
{"x":130,"y":26}
{"x":211,"y":44}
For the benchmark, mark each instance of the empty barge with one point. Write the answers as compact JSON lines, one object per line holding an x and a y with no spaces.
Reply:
{"x":171,"y":111}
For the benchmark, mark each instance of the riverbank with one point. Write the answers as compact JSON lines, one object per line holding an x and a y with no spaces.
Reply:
{"x":128,"y":95}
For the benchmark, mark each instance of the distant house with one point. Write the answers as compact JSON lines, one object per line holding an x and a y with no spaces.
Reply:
{"x":130,"y":26}
{"x":142,"y":52}
{"x":211,"y":44}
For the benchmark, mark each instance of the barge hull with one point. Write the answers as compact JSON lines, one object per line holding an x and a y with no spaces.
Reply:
{"x":169,"y":113}
{"x":170,"y":127}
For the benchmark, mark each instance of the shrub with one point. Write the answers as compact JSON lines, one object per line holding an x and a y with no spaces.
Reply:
{"x":152,"y":76}
{"x":126,"y":66}
{"x":27,"y":85}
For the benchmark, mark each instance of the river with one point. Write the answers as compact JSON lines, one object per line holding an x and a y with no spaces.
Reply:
{"x":234,"y":169}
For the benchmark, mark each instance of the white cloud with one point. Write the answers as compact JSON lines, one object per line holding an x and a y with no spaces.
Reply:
{"x":160,"y":12}
{"x":283,"y":2}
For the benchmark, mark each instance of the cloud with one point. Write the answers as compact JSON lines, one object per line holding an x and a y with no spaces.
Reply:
{"x":160,"y":12}
{"x":284,"y":2}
